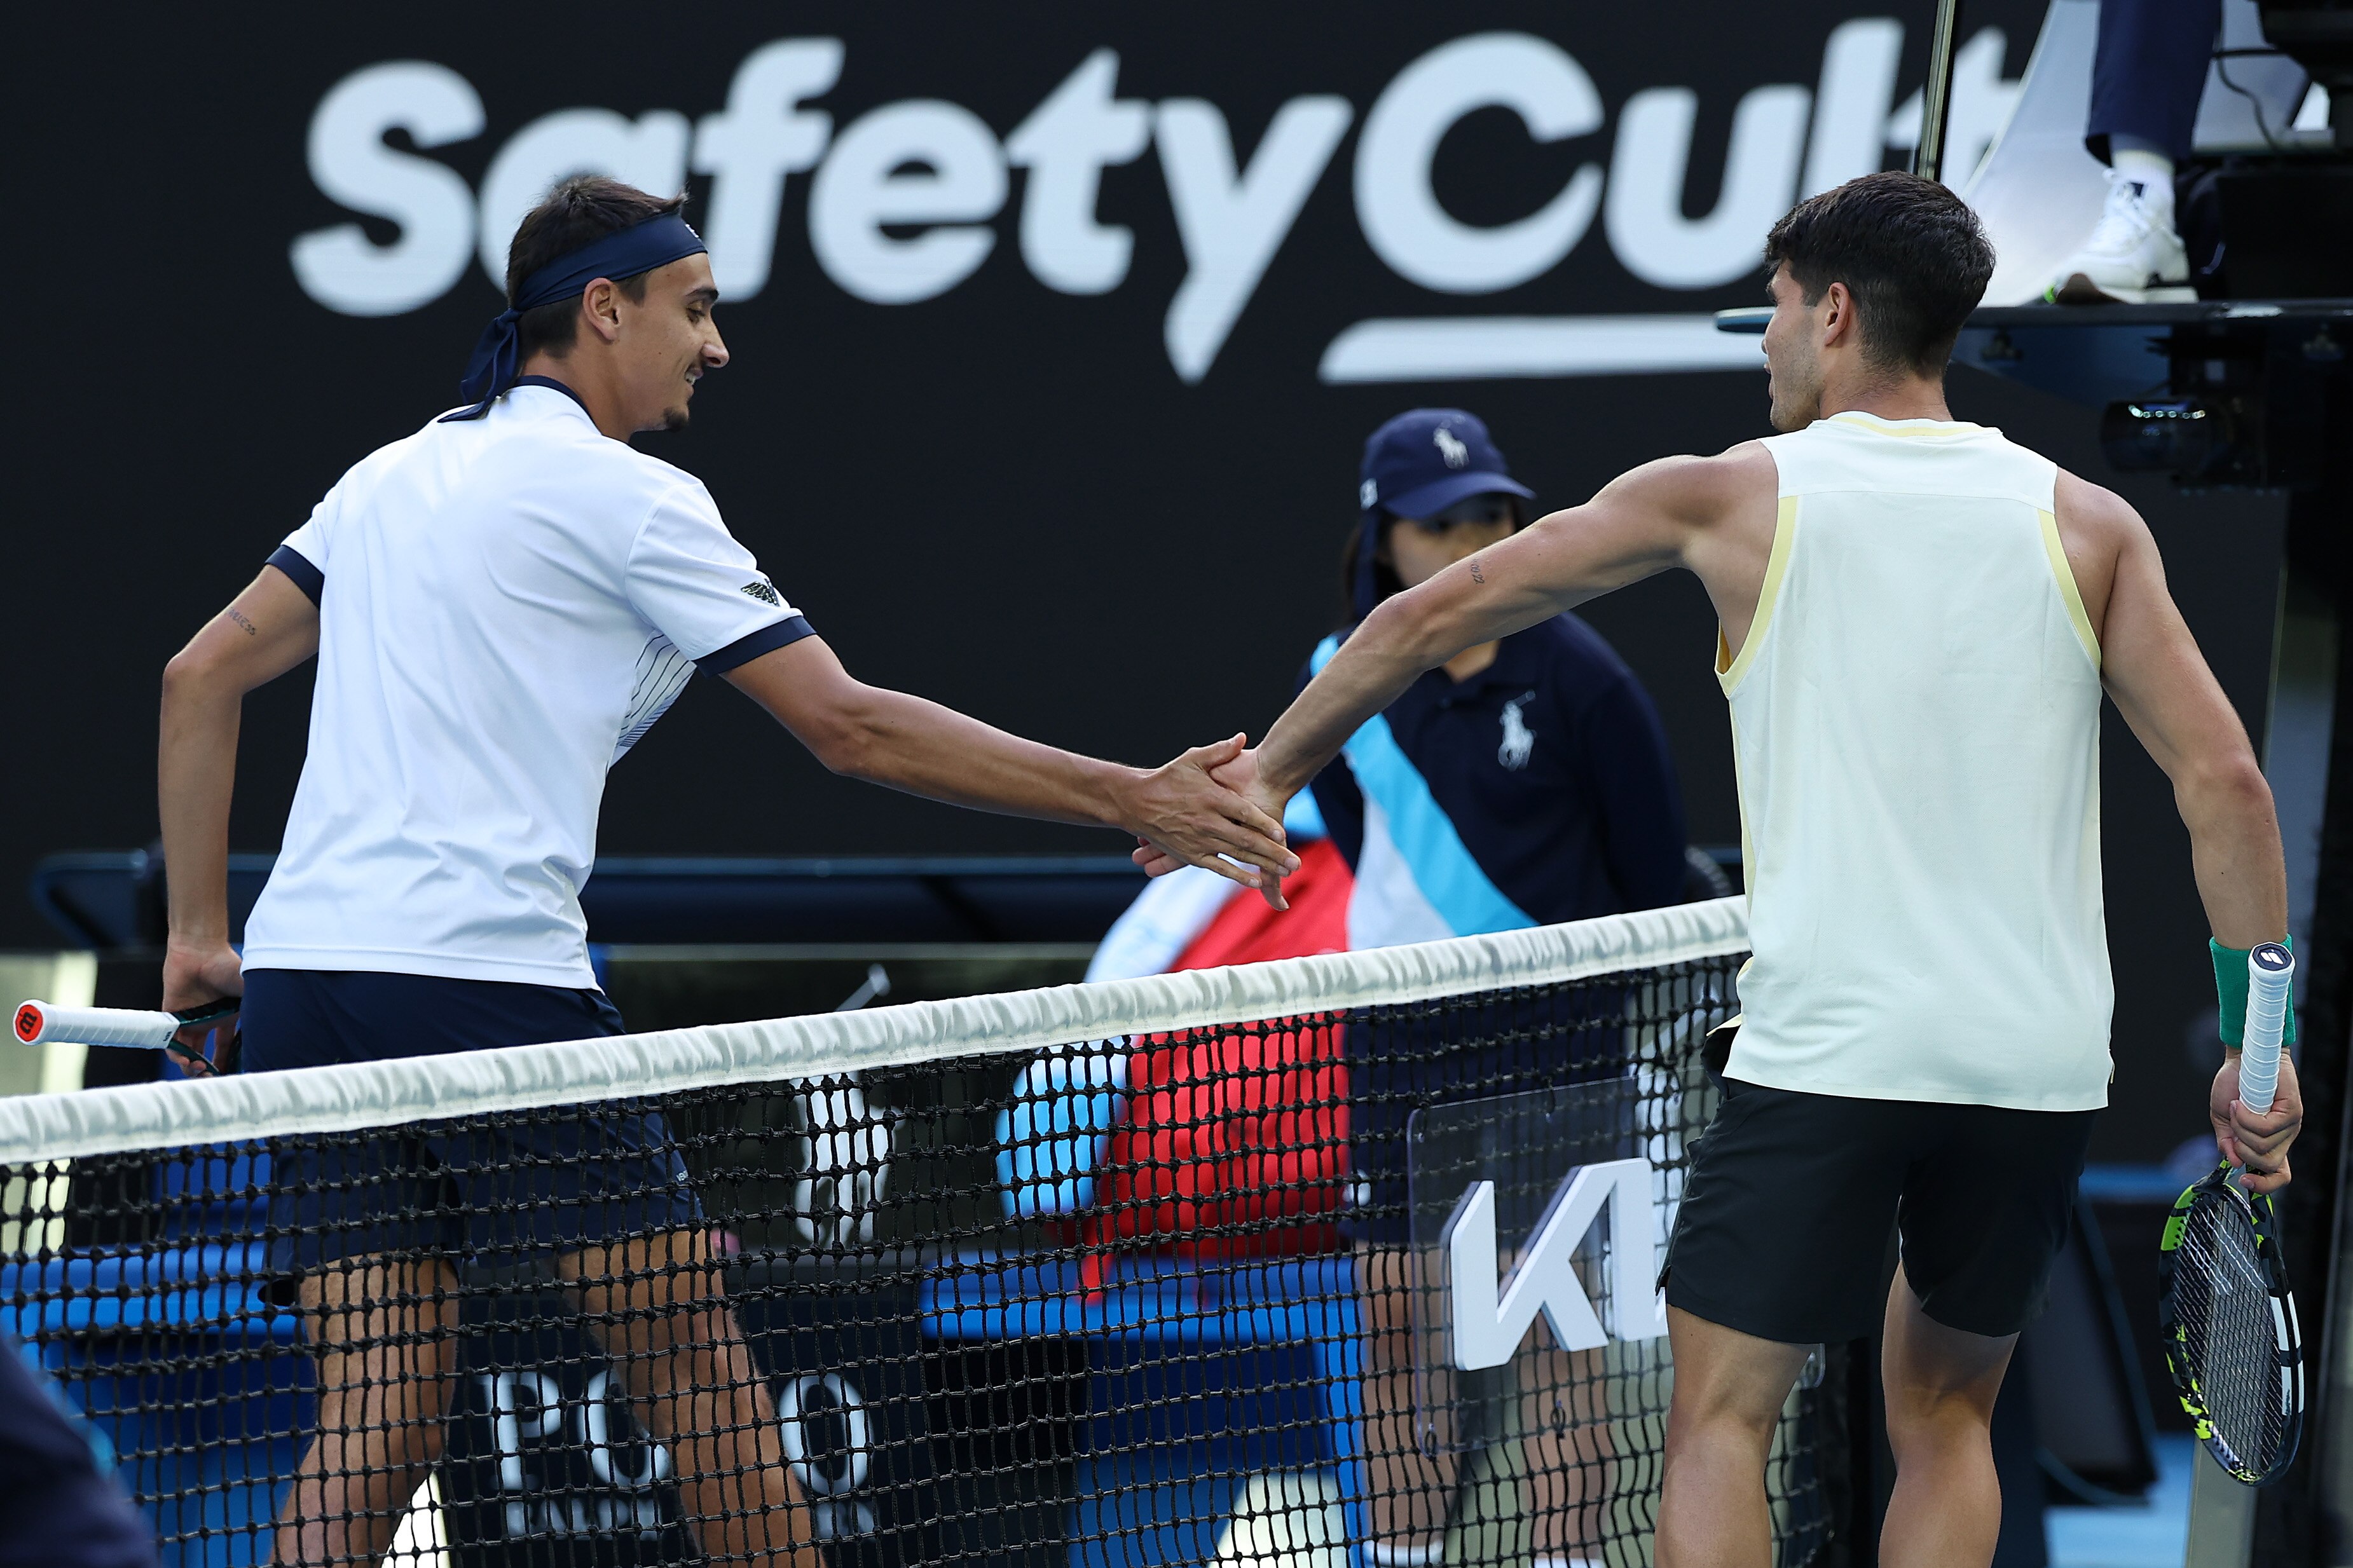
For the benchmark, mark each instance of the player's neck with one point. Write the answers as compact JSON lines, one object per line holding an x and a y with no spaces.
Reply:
{"x":599,"y":393}
{"x":1907,"y":397}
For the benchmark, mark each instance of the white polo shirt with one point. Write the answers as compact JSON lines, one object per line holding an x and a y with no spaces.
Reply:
{"x":505,"y":606}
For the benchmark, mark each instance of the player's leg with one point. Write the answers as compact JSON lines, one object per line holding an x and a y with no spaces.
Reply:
{"x":1566,"y":1411}
{"x":1565,"y":1416}
{"x":1729,"y":1390}
{"x":658,"y":1306}
{"x":1563,"y":1422}
{"x":1394,"y":1065}
{"x":651,"y":1287}
{"x":1941,"y":1383}
{"x":384,"y":1331}
{"x":1559,"y":1430}
{"x":1987,"y":1204}
{"x":1779,"y":1247}
{"x":1407,"y":1484}
{"x":354,"y":1221}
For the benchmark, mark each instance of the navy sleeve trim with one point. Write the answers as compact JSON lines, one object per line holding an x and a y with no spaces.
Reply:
{"x":767,"y":639}
{"x":295,"y":564}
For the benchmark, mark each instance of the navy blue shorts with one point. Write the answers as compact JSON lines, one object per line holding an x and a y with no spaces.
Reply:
{"x":1401,"y":1059}
{"x":501,"y":1191}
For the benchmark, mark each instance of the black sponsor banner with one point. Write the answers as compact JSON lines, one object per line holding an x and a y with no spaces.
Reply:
{"x":1057,"y":332}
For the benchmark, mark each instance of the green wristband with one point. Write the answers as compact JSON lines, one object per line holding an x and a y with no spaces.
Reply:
{"x":2230,"y":991}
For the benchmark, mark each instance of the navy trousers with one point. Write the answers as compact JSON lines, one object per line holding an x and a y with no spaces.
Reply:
{"x":2149,"y":71}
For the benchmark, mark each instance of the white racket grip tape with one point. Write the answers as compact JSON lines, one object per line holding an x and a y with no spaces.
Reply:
{"x":2271,"y":972}
{"x":39,"y":1023}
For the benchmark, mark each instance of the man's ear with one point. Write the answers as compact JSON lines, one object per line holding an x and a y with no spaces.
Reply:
{"x":600,"y":306}
{"x":1838,"y":319}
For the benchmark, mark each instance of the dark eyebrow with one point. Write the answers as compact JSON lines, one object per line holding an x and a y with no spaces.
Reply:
{"x":705,"y":295}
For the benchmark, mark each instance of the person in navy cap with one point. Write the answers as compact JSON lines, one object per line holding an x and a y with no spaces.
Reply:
{"x":1526,"y":782}
{"x":1523,"y":782}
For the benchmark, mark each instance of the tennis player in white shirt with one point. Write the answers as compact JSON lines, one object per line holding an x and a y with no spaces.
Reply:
{"x":501,"y":604}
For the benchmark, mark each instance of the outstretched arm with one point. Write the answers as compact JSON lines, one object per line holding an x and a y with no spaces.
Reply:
{"x":266,"y":631}
{"x":912,"y":744}
{"x":1642,"y":523}
{"x":2161,"y":684}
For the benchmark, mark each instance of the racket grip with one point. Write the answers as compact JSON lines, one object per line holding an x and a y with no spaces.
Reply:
{"x":39,"y":1023}
{"x":2271,"y":972}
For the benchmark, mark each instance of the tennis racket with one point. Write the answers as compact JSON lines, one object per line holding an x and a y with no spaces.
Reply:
{"x":2223,"y":1308}
{"x":40,"y":1022}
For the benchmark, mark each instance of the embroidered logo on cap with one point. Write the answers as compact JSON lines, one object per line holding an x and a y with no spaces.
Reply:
{"x":1451,"y":446}
{"x":1367,"y":493}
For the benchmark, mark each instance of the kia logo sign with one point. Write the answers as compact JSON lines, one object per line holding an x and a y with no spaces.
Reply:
{"x":1487,"y":1322}
{"x":904,"y":201}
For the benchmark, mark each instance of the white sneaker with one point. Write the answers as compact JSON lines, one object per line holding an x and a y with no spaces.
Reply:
{"x":2133,"y":257}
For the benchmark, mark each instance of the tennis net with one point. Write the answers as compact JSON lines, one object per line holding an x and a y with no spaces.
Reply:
{"x":1161,"y":1270}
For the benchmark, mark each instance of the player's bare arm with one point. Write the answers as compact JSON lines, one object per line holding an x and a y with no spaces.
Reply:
{"x":2160,"y":681}
{"x":912,"y":744}
{"x":1713,"y":515}
{"x":266,"y":631}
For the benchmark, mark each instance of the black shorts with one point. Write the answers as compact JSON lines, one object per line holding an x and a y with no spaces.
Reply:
{"x":503,"y":1192}
{"x":1784,"y":1224}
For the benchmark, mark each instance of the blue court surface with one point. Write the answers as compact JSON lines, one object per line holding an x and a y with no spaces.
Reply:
{"x":2151,"y":1533}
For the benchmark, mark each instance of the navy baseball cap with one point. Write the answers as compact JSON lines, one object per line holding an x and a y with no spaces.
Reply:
{"x":1418,"y":465}
{"x":1423,"y":461}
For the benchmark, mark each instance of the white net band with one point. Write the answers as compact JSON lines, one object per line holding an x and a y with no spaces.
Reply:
{"x":396,"y":1092}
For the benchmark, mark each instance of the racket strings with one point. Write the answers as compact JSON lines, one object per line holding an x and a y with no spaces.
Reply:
{"x":2230,"y":1331}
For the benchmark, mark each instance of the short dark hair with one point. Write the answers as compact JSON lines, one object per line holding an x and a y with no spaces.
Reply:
{"x":579,"y":210}
{"x":1911,"y":252}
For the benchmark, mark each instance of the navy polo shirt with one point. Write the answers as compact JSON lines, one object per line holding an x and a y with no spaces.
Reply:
{"x":1553,"y":768}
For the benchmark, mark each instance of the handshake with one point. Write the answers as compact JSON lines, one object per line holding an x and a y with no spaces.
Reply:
{"x":1211,"y":807}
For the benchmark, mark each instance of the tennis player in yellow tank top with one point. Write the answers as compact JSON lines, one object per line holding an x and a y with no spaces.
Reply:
{"x":1919,"y":619}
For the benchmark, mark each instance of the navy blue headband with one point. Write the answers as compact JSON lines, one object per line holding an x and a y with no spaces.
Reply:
{"x":656,"y":242}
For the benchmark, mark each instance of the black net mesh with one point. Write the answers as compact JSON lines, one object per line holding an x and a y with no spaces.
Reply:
{"x":1121,"y":1303}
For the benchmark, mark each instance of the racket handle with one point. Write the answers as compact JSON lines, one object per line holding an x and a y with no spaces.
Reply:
{"x":39,"y":1023}
{"x":2271,"y":971}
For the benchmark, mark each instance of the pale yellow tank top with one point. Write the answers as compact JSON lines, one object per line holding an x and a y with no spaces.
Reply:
{"x":1916,"y":720}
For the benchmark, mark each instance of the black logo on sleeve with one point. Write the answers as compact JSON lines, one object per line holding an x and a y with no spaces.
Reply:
{"x":759,"y":589}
